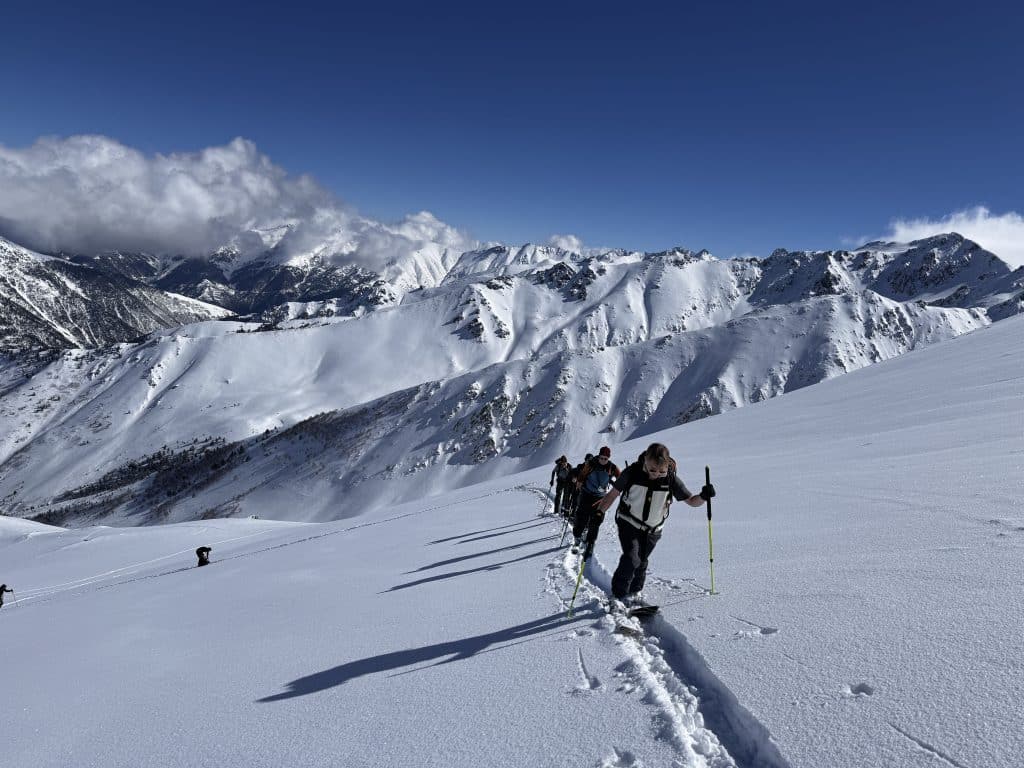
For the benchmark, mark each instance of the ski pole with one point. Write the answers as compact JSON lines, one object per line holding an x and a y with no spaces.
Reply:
{"x":579,"y":578}
{"x":565,"y":527}
{"x":711,"y":548}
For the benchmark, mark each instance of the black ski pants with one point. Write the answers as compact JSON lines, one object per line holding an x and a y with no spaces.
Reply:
{"x":637,"y":546}
{"x":561,"y":496}
{"x":572,"y":494}
{"x":588,"y":518}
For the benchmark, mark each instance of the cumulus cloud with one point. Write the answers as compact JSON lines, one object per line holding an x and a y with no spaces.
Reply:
{"x":87,"y":194}
{"x":1003,"y":234}
{"x":567,"y":243}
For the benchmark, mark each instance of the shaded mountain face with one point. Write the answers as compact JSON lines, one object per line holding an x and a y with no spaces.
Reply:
{"x":508,"y":359}
{"x":262,"y":279}
{"x":49,"y":303}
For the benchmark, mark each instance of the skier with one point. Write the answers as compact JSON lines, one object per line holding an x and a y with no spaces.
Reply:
{"x":647,"y":489}
{"x":203,"y":553}
{"x":574,"y":487}
{"x":593,"y":484}
{"x":3,"y":588}
{"x":560,"y":474}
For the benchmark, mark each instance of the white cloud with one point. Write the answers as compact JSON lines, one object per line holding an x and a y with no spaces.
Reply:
{"x":1002,"y":234}
{"x":567,"y":243}
{"x":86,"y":194}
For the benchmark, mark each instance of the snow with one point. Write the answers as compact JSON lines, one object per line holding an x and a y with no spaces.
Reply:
{"x":868,"y":542}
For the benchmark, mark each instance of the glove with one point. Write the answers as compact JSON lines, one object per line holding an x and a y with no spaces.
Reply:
{"x":707,"y":492}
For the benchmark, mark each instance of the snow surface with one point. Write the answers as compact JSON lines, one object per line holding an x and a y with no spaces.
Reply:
{"x":869,"y":552}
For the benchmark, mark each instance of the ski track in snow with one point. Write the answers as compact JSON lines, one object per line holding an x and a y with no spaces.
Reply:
{"x":587,"y":681}
{"x":45,"y":594}
{"x":697,"y":713}
{"x":928,"y":747}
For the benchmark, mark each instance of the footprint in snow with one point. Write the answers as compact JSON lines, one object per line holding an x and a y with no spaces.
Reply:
{"x":622,"y":758}
{"x":860,"y":690}
{"x":757,"y":630}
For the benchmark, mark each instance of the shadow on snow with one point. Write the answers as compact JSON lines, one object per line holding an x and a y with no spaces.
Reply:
{"x":453,"y":560}
{"x":453,"y":574}
{"x":439,"y":653}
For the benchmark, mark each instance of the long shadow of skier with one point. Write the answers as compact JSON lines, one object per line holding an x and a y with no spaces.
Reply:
{"x":453,"y":574}
{"x":455,"y":650}
{"x":505,"y":533}
{"x":453,"y":560}
{"x":485,"y":530}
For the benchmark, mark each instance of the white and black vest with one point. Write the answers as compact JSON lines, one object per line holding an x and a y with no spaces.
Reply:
{"x":645,"y":500}
{"x":645,"y":503}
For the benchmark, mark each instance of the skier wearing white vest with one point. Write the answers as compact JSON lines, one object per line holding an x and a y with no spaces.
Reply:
{"x":647,"y":488}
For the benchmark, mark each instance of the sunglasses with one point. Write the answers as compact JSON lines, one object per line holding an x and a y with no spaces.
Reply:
{"x":602,"y":458}
{"x":655,"y":472}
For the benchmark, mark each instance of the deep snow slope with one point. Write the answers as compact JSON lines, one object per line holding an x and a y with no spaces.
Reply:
{"x":868,"y":558}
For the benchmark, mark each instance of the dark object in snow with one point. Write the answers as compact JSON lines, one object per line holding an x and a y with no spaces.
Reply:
{"x":4,"y":588}
{"x":203,"y":553}
{"x":642,"y":611}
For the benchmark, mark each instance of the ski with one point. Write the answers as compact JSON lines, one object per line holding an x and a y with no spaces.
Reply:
{"x":621,"y":618}
{"x":642,"y":611}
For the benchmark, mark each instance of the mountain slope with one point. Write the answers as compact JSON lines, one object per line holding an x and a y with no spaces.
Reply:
{"x":515,"y":357}
{"x":51,"y":303}
{"x":410,"y":423}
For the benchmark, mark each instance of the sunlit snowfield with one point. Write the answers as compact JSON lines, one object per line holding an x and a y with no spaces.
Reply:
{"x":869,"y":554}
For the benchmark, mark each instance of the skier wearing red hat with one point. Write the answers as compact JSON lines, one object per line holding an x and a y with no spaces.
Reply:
{"x":593,"y":483}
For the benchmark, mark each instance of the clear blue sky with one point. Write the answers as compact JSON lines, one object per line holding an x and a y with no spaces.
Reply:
{"x":738,"y":127}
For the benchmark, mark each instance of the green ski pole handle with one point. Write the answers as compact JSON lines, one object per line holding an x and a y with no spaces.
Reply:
{"x":711,"y":546}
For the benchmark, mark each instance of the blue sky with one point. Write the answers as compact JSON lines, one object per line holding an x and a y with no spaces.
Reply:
{"x":738,"y":128}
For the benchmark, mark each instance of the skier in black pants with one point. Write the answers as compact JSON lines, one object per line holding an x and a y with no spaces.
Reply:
{"x":560,"y":479}
{"x":3,"y":588}
{"x":574,"y":487}
{"x":647,"y":489}
{"x":593,"y":483}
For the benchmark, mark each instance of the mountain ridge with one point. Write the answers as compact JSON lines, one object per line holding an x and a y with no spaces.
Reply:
{"x":510,"y":360}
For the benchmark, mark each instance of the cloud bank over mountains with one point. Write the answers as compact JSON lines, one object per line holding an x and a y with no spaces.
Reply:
{"x":87,"y":194}
{"x":1003,"y":234}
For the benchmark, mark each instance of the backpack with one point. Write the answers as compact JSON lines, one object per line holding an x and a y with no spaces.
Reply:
{"x":588,"y":467}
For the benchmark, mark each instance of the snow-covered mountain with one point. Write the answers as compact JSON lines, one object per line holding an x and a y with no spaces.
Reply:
{"x":510,"y":359}
{"x":260,"y":271}
{"x":53,"y":303}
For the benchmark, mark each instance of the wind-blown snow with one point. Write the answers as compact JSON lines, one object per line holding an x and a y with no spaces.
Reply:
{"x":868,"y":554}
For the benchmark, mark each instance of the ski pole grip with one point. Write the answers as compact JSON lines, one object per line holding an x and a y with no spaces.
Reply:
{"x":707,"y":481}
